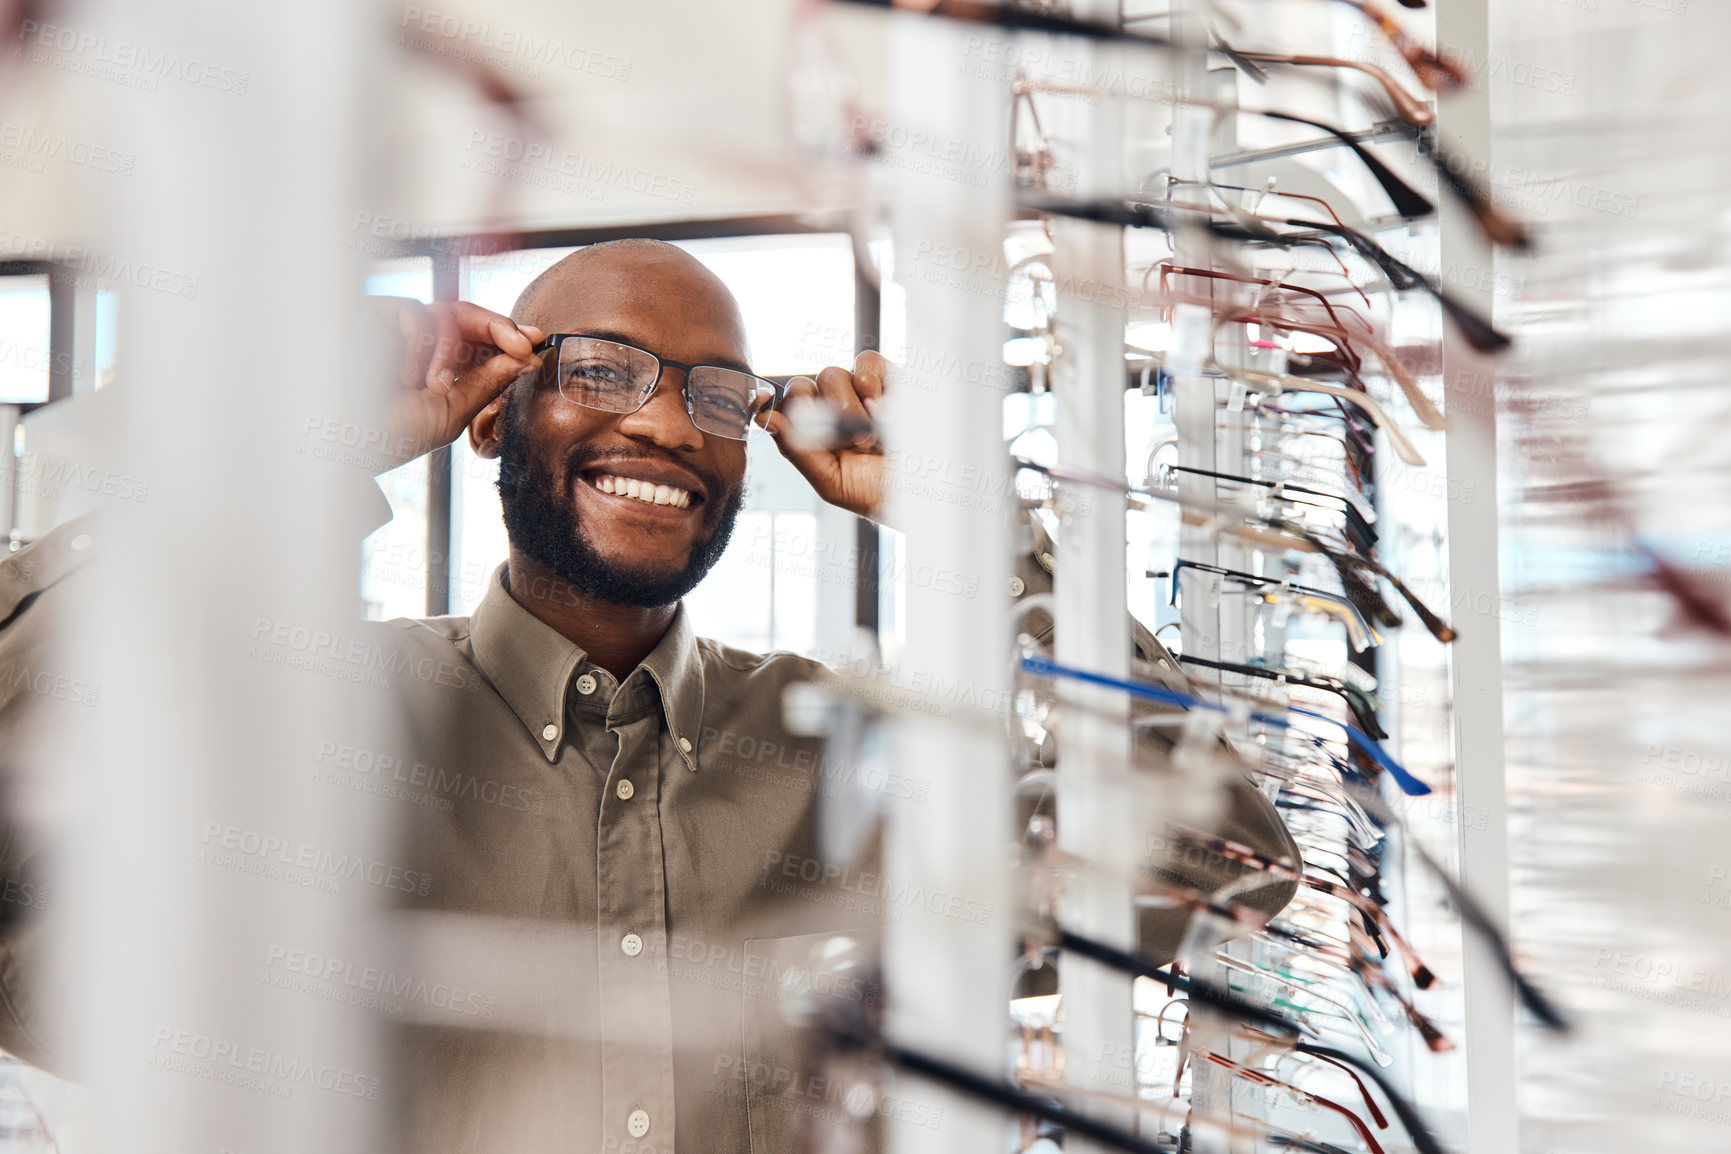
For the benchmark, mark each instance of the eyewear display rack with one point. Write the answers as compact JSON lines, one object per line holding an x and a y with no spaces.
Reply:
{"x":1440,"y":704}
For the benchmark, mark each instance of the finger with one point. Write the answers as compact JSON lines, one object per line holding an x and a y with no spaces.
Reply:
{"x":799,"y":388}
{"x":815,"y":464}
{"x":471,"y":391}
{"x":837,"y":388}
{"x":419,"y":332}
{"x":779,"y":421}
{"x":450,"y":352}
{"x":479,"y":326}
{"x":818,"y":465}
{"x":871,"y":376}
{"x":469,"y":335}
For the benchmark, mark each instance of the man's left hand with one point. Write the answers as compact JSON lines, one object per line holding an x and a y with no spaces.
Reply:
{"x":850,"y":477}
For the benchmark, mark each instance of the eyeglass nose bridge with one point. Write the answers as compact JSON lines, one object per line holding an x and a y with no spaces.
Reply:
{"x":662,"y":364}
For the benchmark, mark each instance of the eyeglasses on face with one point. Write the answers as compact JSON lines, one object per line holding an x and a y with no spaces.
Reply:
{"x":613,"y":377}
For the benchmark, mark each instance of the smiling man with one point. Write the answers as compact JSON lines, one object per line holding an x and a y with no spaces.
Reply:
{"x":615,"y":499}
{"x":657,"y":882}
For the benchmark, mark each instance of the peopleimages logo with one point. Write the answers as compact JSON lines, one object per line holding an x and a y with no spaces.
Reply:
{"x":529,"y":48}
{"x":375,"y":987}
{"x":302,"y":863}
{"x":88,"y":52}
{"x":55,"y":146}
{"x":253,"y":1067}
{"x":779,"y":869}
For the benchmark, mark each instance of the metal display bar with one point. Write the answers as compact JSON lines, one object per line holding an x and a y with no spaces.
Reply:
{"x":206,"y":726}
{"x":1205,"y":622}
{"x":1091,"y":611}
{"x":867,"y":334}
{"x":1476,"y":660}
{"x":948,"y":977}
{"x":447,"y":286}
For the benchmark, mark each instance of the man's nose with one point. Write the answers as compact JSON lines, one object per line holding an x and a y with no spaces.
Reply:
{"x":663,"y":420}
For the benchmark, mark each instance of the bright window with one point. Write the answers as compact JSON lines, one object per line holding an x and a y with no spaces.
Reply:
{"x":24,"y":352}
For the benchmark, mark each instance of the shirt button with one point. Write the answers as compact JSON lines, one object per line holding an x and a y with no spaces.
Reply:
{"x":633,"y":945}
{"x":638,"y":1123}
{"x":685,"y":745}
{"x":550,"y":731}
{"x":81,"y":542}
{"x":586,"y":684}
{"x":1016,"y":586}
{"x":624,"y":789}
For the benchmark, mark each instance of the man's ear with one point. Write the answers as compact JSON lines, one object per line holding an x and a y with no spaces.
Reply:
{"x":488,"y":427}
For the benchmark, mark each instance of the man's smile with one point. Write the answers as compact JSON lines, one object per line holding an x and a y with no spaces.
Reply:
{"x":657,"y":490}
{"x":646,"y":491}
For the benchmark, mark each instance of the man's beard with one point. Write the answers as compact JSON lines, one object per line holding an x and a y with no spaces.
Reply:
{"x":542,"y":524}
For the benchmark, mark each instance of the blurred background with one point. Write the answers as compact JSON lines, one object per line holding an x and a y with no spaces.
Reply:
{"x":194,"y":196}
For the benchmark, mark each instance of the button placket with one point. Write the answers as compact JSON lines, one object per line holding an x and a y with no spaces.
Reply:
{"x":635,"y":1003}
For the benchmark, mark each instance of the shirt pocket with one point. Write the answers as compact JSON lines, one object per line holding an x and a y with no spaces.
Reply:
{"x":791,"y":1092}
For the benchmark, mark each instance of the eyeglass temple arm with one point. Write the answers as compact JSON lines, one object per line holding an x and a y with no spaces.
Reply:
{"x":1423,"y":976}
{"x":1231,"y":1004}
{"x":1349,"y":509}
{"x":1403,"y":446}
{"x":1271,"y":583}
{"x":1259,"y":1078}
{"x":1474,"y":915}
{"x":1407,"y":201}
{"x":1039,"y":666}
{"x":1166,"y":267}
{"x":1391,"y":362}
{"x":1477,"y":331}
{"x":1407,"y":106}
{"x":1437,"y":627}
{"x":1434,"y":70}
{"x":1367,"y":719}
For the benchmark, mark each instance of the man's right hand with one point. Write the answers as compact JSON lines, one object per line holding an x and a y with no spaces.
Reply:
{"x":456,"y":357}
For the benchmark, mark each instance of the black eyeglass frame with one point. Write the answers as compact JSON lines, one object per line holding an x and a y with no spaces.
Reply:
{"x":550,"y":365}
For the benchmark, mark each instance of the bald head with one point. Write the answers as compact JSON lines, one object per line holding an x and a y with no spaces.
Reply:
{"x":636,"y":275}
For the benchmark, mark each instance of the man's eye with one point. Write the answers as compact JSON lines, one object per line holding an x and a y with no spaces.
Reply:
{"x":724,"y":405}
{"x":599,"y":373}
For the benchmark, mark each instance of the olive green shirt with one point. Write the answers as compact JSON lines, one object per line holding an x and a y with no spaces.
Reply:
{"x":656,"y":841}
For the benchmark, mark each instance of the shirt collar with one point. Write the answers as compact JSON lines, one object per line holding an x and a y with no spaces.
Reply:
{"x":532,"y":666}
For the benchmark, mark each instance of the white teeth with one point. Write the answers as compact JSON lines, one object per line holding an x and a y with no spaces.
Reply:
{"x":645,"y":491}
